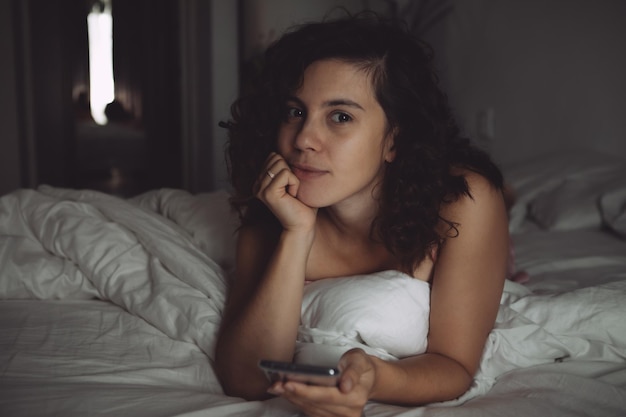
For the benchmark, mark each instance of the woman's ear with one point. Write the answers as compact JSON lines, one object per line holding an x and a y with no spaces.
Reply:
{"x":390,"y":146}
{"x":390,"y":155}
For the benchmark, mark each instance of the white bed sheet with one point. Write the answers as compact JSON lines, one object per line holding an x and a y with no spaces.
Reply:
{"x":116,"y":364}
{"x":145,"y":348}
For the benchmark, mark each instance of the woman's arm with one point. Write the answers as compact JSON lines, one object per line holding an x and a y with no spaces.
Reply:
{"x":262,"y":311}
{"x":466,"y":290}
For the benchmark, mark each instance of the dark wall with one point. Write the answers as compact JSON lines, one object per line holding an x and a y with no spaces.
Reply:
{"x":50,"y":55}
{"x":11,"y":165}
{"x":147,"y":75}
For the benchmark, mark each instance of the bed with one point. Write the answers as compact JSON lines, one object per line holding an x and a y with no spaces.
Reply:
{"x":110,"y":306}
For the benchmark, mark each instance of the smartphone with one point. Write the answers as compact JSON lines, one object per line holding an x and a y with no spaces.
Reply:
{"x":307,"y":374}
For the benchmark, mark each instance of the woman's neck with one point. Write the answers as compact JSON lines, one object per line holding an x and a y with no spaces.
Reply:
{"x":350,"y":220}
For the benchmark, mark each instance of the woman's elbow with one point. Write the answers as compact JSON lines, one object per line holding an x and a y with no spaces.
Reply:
{"x":244,"y":391}
{"x":239,"y":383}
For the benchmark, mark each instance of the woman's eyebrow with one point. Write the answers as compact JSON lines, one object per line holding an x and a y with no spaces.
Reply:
{"x":343,"y":102}
{"x":294,"y":99}
{"x":330,"y":103}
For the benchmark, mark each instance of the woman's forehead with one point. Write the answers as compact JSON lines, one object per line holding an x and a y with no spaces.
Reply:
{"x":335,"y":80}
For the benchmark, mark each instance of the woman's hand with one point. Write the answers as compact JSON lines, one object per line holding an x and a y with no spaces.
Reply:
{"x":358,"y":375}
{"x":278,"y":187}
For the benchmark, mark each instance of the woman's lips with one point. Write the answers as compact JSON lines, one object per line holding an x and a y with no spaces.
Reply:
{"x":304,"y":172}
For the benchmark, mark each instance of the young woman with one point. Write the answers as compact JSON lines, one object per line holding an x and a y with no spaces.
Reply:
{"x":345,"y":160}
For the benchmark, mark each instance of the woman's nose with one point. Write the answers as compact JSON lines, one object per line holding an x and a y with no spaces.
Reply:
{"x":308,"y":136}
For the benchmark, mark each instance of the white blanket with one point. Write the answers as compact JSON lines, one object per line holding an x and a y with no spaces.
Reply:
{"x":68,"y":244}
{"x":63,"y":244}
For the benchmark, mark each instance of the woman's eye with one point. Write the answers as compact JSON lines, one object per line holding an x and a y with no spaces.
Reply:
{"x":340,"y":117}
{"x":294,"y":112}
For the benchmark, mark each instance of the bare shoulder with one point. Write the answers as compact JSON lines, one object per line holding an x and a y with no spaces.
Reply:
{"x":480,"y":218}
{"x":481,"y":188}
{"x":485,"y":203}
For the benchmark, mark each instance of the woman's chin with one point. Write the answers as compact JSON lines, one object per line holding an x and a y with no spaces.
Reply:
{"x":313,"y":199}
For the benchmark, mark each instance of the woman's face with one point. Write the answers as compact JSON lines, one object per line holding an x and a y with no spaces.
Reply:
{"x":334,"y":136}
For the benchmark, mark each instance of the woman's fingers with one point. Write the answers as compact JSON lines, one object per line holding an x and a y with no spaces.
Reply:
{"x":274,"y":164}
{"x":277,"y":187}
{"x":323,"y":401}
{"x":268,"y":172}
{"x":276,"y":172}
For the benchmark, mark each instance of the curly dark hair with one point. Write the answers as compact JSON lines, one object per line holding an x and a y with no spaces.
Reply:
{"x":427,"y":140}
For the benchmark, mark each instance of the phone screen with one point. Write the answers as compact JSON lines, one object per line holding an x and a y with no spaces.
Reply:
{"x":307,"y":374}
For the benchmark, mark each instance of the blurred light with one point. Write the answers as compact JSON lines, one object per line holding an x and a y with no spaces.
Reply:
{"x":101,"y":84}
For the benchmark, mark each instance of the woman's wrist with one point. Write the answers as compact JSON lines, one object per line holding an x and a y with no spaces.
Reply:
{"x":298,"y":236}
{"x":380,"y":369}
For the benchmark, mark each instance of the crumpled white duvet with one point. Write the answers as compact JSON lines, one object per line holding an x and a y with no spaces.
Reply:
{"x":64,"y":244}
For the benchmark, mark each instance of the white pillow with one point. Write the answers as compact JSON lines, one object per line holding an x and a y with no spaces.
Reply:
{"x":574,"y":204}
{"x":613,"y":207}
{"x":207,"y":217}
{"x":554,"y":190}
{"x":387,"y":311}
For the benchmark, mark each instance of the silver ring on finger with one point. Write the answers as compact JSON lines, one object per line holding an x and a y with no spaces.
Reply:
{"x":270,"y":174}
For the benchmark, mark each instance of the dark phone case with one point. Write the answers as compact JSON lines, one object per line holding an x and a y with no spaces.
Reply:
{"x":307,"y":374}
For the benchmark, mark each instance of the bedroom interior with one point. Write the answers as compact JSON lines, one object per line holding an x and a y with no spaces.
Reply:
{"x":110,"y":302}
{"x":525,"y":78}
